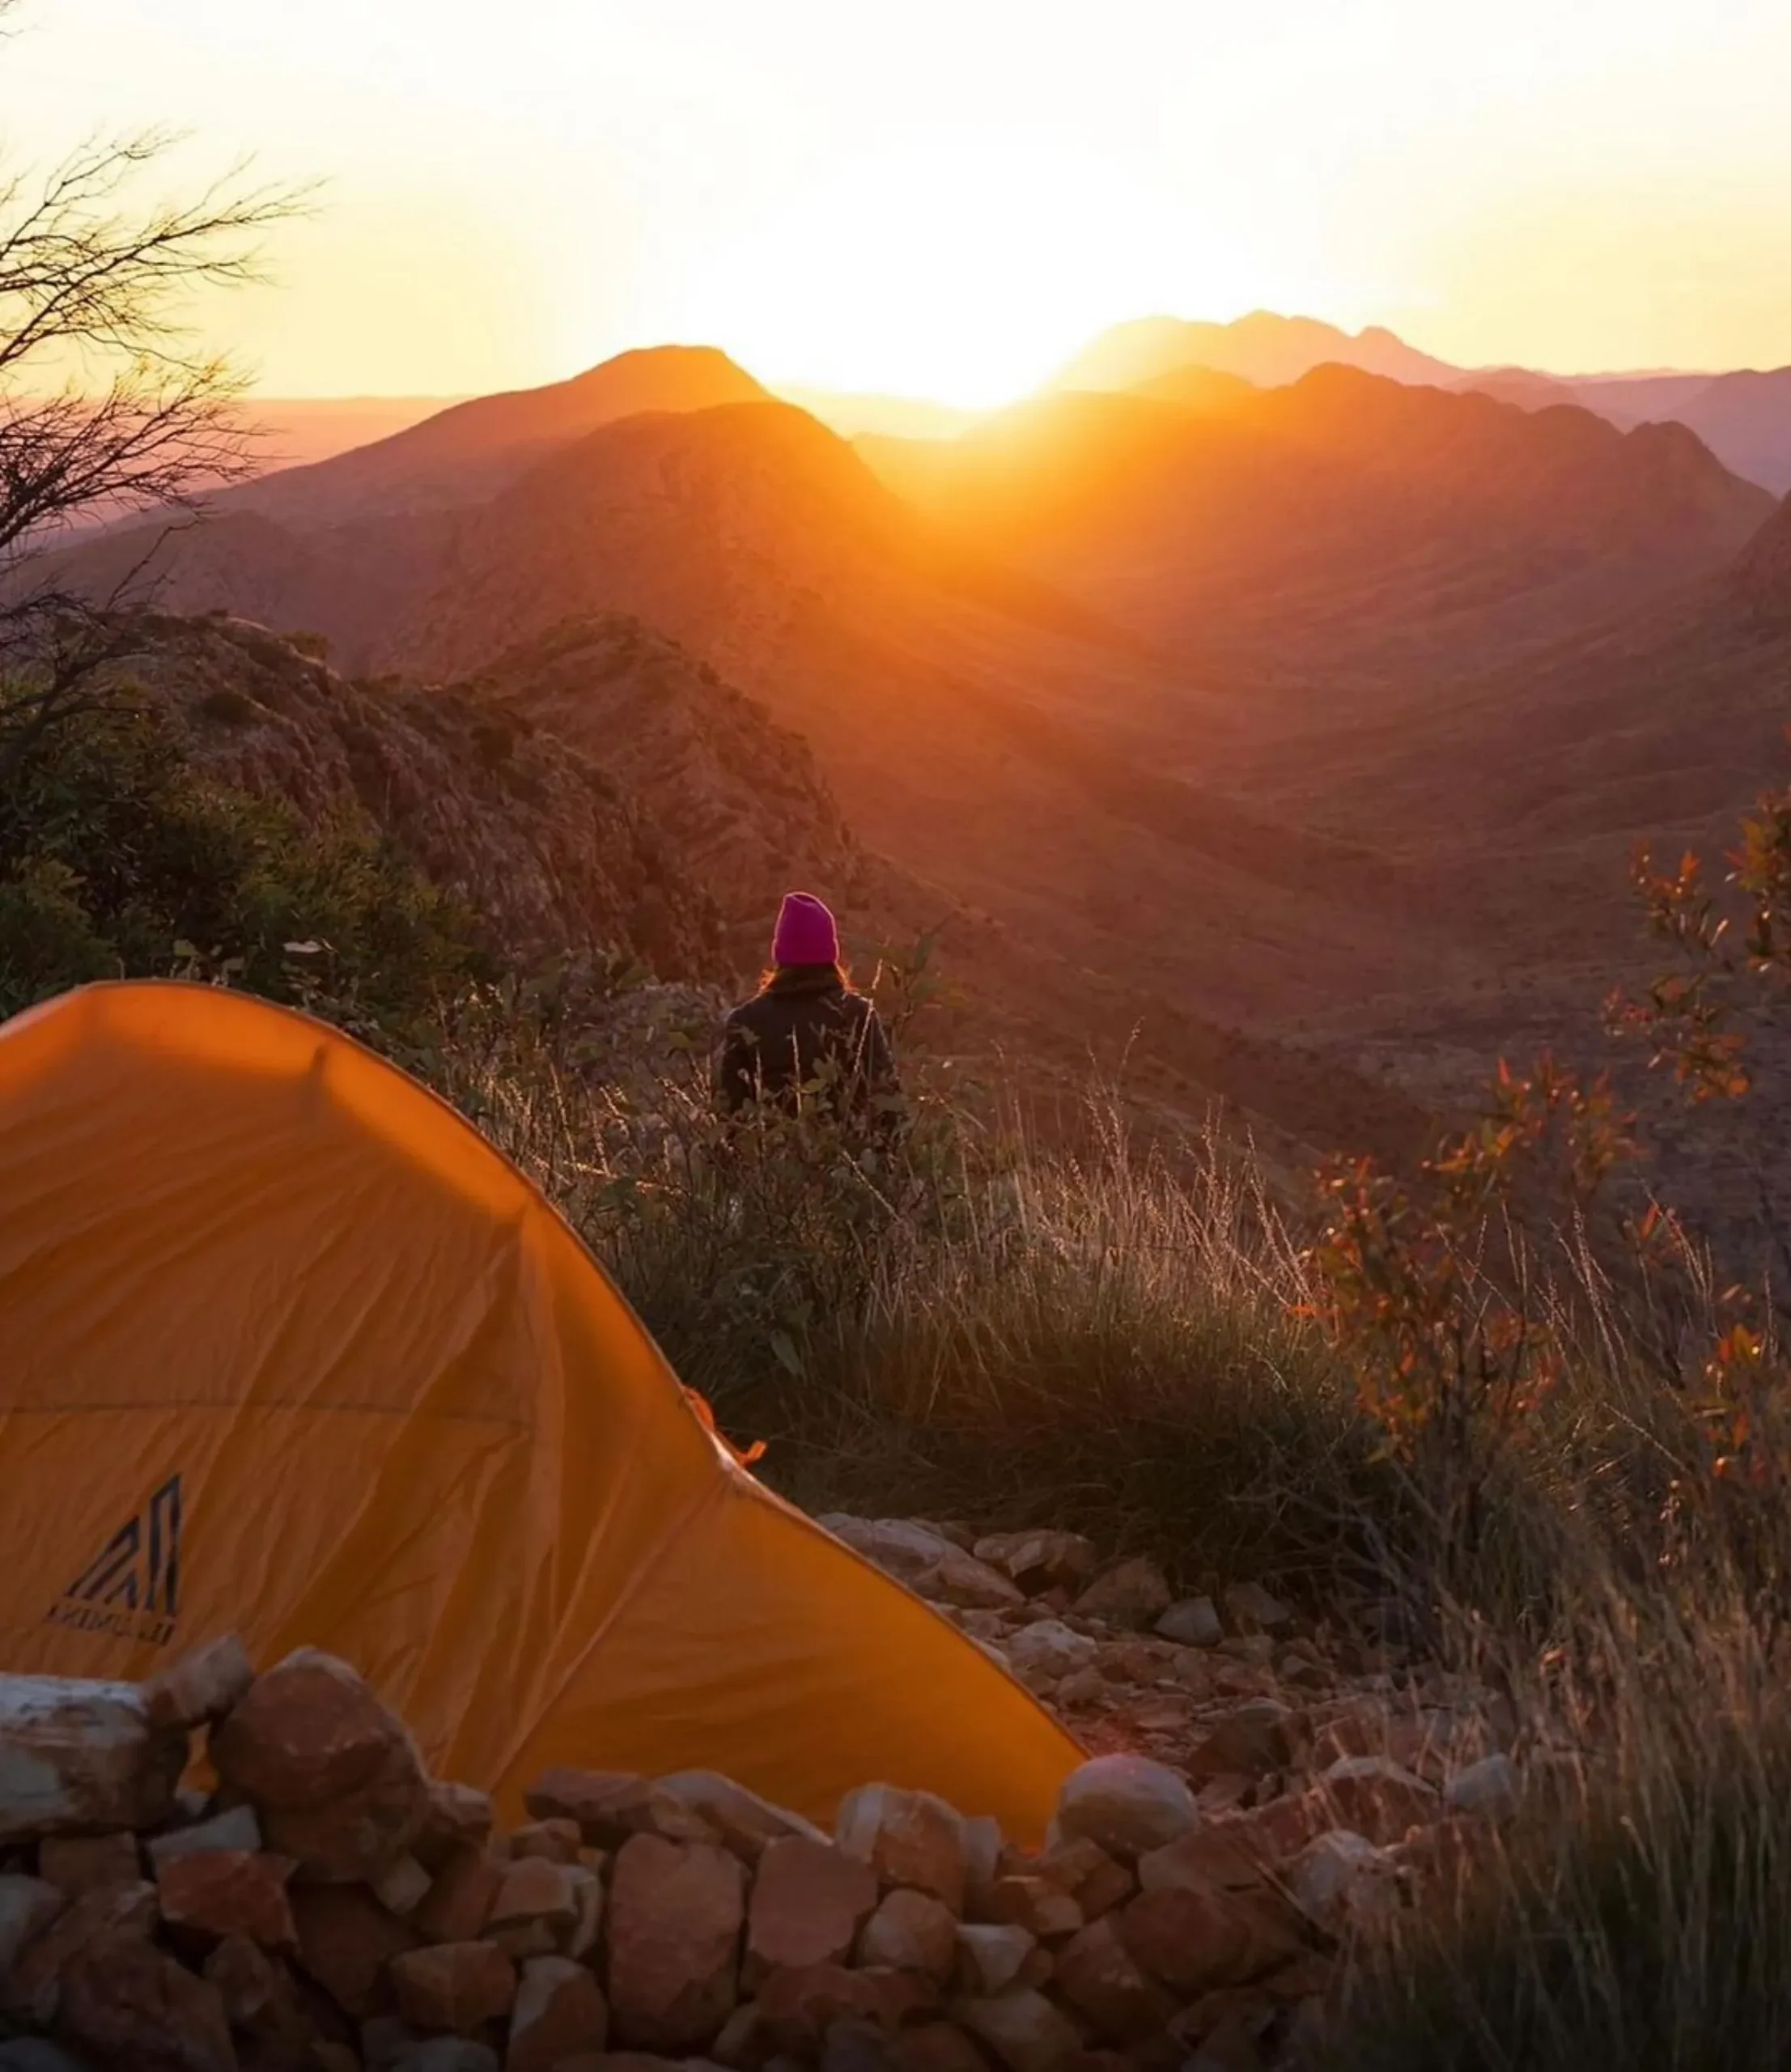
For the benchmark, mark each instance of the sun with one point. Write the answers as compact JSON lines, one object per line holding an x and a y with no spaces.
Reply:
{"x":964,"y":273}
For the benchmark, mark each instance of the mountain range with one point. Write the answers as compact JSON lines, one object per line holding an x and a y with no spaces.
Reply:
{"x":1286,"y":740}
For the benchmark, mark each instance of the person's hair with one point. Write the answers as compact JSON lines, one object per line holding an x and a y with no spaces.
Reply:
{"x":841,"y":971}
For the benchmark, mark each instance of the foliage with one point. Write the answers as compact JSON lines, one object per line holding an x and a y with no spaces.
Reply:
{"x":118,"y":859}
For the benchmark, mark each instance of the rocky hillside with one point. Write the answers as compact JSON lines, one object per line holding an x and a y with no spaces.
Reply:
{"x":1762,"y":578}
{"x":578,"y":840}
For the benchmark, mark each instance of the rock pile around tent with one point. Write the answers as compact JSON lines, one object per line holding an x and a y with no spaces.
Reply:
{"x":324,"y":1905}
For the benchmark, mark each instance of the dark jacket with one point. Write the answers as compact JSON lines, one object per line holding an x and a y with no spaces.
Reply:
{"x":807,"y":1029}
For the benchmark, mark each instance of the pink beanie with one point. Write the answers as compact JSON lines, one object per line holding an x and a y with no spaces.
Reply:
{"x":805,"y":931}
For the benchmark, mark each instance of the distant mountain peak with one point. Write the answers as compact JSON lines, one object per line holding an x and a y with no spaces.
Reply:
{"x":1264,"y":347}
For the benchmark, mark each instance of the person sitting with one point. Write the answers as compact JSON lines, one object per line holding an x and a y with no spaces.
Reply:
{"x":806,"y":1034}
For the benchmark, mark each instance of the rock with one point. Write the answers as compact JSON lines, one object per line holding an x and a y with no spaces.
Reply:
{"x":28,"y":1906}
{"x":201,"y":1686}
{"x":256,"y":1994}
{"x":333,"y":1774}
{"x":583,"y":1938}
{"x":1373,"y":1796}
{"x":237,"y":1830}
{"x":1253,"y":1610}
{"x":739,"y":1817}
{"x":38,"y":2054}
{"x":1126,"y":1803}
{"x":1041,"y":1560}
{"x":961,"y":1579}
{"x":456,"y":1986}
{"x":457,"y":1817}
{"x":937,"y":2047}
{"x":76,"y":1757}
{"x":1098,"y":1977}
{"x":114,"y":1914}
{"x":909,"y":1552}
{"x":1344,"y":1882}
{"x":346,"y":1939}
{"x":75,"y":1864}
{"x":532,"y":1889}
{"x":1023,"y":2030}
{"x":610,"y":1806}
{"x":458,"y":1903}
{"x":990,"y":1954}
{"x":1048,"y":1649}
{"x":1253,"y":1739}
{"x":857,"y":2046}
{"x":559,"y":2011}
{"x":675,"y":1913}
{"x":403,"y":1886}
{"x":127,"y":2003}
{"x":1195,"y":1939}
{"x":448,"y":2054}
{"x":1192,"y":1623}
{"x":809,"y":1900}
{"x":797,"y":2006}
{"x":219,"y":1892}
{"x":1095,"y":1881}
{"x":908,"y":1838}
{"x":1489,"y":1788}
{"x":911,"y":1932}
{"x":1044,"y":1909}
{"x":558,"y":1840}
{"x":1132,"y":1593}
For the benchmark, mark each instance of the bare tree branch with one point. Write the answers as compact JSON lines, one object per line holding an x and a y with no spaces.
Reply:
{"x":108,"y":406}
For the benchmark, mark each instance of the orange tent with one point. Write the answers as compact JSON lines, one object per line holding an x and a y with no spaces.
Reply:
{"x":287,"y":1348}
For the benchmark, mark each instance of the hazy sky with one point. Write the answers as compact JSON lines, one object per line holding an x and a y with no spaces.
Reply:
{"x":947,"y":197}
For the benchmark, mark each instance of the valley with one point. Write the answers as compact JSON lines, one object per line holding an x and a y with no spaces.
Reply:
{"x":1282,"y":746}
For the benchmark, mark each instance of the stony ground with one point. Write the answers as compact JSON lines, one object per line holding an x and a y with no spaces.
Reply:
{"x":1261,"y":1793}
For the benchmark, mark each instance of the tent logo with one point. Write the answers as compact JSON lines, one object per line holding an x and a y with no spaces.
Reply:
{"x":132,"y":1588}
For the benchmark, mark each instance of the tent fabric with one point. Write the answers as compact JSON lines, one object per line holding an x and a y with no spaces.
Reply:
{"x":287,"y":1348}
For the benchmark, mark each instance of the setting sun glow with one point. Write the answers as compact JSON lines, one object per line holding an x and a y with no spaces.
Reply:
{"x":949,"y":199}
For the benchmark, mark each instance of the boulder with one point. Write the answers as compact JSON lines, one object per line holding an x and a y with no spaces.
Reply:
{"x":127,"y":2003}
{"x":1253,"y":1610}
{"x":936,"y":2047}
{"x":28,"y":1906}
{"x":530,"y":1889}
{"x":83,"y":1758}
{"x":403,"y":1886}
{"x":1373,"y":1796}
{"x":558,"y":1840}
{"x":990,"y":1955}
{"x":458,"y":1903}
{"x":1344,"y":1882}
{"x":1041,"y":1560}
{"x":1095,"y":1880}
{"x":220,"y":1892}
{"x":1098,"y":1977}
{"x":610,"y":1806}
{"x":909,"y":1551}
{"x":1250,"y":1741}
{"x":1489,"y":1788}
{"x":1132,"y":1593}
{"x":1022,"y":2030}
{"x":238,"y":1829}
{"x":908,"y":1838}
{"x":738,"y":1817}
{"x":1048,"y":1649}
{"x":201,"y":1686}
{"x":456,"y":1816}
{"x":455,"y":1986}
{"x":333,"y":1773}
{"x":809,"y":1900}
{"x":1043,"y":1908}
{"x":676,"y":1913}
{"x":75,"y":1864}
{"x":256,"y":1991}
{"x":1195,"y":1939}
{"x":560,"y":2010}
{"x":114,"y":1914}
{"x":911,"y":1931}
{"x":1126,"y":1803}
{"x":1193,"y":1622}
{"x":346,"y":1939}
